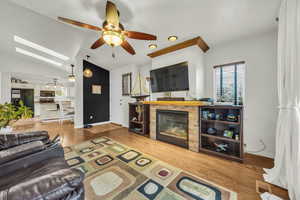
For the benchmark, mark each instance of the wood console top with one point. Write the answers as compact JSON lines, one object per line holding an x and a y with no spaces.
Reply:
{"x":176,"y":103}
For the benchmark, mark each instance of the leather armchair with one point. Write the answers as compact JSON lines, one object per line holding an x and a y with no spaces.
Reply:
{"x":33,"y":167}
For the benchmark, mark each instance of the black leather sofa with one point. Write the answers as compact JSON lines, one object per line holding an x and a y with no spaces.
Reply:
{"x":33,"y":168}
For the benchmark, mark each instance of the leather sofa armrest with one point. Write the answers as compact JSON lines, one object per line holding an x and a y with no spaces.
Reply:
{"x":61,"y":184}
{"x":31,"y":159}
{"x":14,"y":139}
{"x":20,"y":151}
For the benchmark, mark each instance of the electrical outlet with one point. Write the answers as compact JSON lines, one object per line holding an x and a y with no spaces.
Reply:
{"x":245,"y":145}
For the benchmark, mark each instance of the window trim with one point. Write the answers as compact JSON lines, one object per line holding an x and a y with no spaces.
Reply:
{"x":228,"y":64}
{"x":235,"y":102}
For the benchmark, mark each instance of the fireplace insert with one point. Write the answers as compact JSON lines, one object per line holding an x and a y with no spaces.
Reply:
{"x":172,"y":127}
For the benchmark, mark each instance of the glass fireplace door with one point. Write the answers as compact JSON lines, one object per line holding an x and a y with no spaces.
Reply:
{"x":172,"y":127}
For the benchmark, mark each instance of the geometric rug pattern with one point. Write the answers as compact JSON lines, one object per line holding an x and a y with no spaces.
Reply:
{"x":114,"y":171}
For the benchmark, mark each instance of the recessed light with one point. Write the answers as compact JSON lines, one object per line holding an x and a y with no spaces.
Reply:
{"x":40,"y":48}
{"x":152,"y":46}
{"x":172,"y":38}
{"x":28,"y":53}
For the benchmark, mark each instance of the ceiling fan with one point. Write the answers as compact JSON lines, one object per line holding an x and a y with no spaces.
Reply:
{"x":113,"y":32}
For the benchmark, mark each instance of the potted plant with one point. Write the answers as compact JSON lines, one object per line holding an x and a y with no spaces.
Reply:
{"x":9,"y":114}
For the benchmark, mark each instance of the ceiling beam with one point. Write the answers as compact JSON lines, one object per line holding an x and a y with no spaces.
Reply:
{"x":195,"y":41}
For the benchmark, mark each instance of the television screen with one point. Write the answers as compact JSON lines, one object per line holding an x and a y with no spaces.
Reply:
{"x":170,"y":78}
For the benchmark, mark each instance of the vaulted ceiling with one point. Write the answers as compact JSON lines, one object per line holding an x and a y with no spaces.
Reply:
{"x":216,"y":21}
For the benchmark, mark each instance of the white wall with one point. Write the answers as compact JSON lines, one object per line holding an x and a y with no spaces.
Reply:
{"x":118,"y":103}
{"x":259,"y":53}
{"x":195,"y":58}
{"x":78,"y":70}
{"x":5,"y":87}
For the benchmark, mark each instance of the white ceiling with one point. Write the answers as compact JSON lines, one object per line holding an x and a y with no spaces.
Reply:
{"x":217,"y":21}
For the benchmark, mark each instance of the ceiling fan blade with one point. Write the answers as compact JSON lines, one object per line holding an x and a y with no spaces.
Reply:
{"x":112,"y":15}
{"x":80,"y":24}
{"x":139,"y":35}
{"x":98,"y":43}
{"x":128,"y":47}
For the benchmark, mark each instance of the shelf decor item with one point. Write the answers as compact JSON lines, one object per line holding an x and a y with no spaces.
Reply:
{"x":219,"y":117}
{"x":205,"y":114}
{"x":139,"y":110}
{"x":212,"y":116}
{"x":211,"y":131}
{"x":228,"y":133}
{"x":140,"y":91}
{"x":231,"y":118}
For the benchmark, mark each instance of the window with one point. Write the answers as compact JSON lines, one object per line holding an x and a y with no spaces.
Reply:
{"x":229,"y":83}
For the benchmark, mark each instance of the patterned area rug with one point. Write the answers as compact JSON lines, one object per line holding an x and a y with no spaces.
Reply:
{"x":117,"y":172}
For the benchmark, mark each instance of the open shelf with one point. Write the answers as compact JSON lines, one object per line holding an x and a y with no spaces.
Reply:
{"x":136,"y":122}
{"x":219,"y":137}
{"x":221,"y":121}
{"x":228,"y":156}
{"x":217,"y":144}
{"x":139,"y":123}
{"x":136,"y":131}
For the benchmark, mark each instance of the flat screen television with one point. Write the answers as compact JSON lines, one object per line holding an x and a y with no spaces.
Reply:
{"x":170,"y":78}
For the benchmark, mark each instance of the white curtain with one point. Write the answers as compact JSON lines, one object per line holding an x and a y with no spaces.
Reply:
{"x":286,"y":172}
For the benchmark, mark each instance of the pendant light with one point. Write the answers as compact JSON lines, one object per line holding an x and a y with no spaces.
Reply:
{"x":72,"y":76}
{"x":87,"y":73}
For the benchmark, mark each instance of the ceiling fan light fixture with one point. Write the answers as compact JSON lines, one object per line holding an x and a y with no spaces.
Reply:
{"x":172,"y":38}
{"x":152,"y":46}
{"x":113,"y":38}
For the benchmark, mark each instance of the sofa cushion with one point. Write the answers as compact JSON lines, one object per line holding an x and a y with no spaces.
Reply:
{"x":52,"y":179}
{"x":11,"y":140}
{"x":20,"y":151}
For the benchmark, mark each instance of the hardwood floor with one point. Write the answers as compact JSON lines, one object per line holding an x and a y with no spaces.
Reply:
{"x":238,"y":177}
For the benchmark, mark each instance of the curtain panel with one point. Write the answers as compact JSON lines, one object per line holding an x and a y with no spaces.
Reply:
{"x":286,"y":172}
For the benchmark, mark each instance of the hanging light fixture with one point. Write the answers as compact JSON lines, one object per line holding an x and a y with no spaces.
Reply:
{"x":55,"y":83}
{"x":71,"y":77}
{"x":87,"y":73}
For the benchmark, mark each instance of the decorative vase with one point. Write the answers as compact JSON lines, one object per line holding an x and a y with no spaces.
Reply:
{"x":6,"y":130}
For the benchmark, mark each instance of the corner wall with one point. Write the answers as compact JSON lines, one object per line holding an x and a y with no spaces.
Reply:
{"x":260,"y":54}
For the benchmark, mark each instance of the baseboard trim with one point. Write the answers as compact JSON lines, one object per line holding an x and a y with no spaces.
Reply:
{"x":262,"y":154}
{"x":94,"y":124}
{"x":116,"y":124}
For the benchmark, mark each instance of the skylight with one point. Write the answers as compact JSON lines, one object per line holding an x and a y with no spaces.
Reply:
{"x":28,"y":53}
{"x":40,"y":48}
